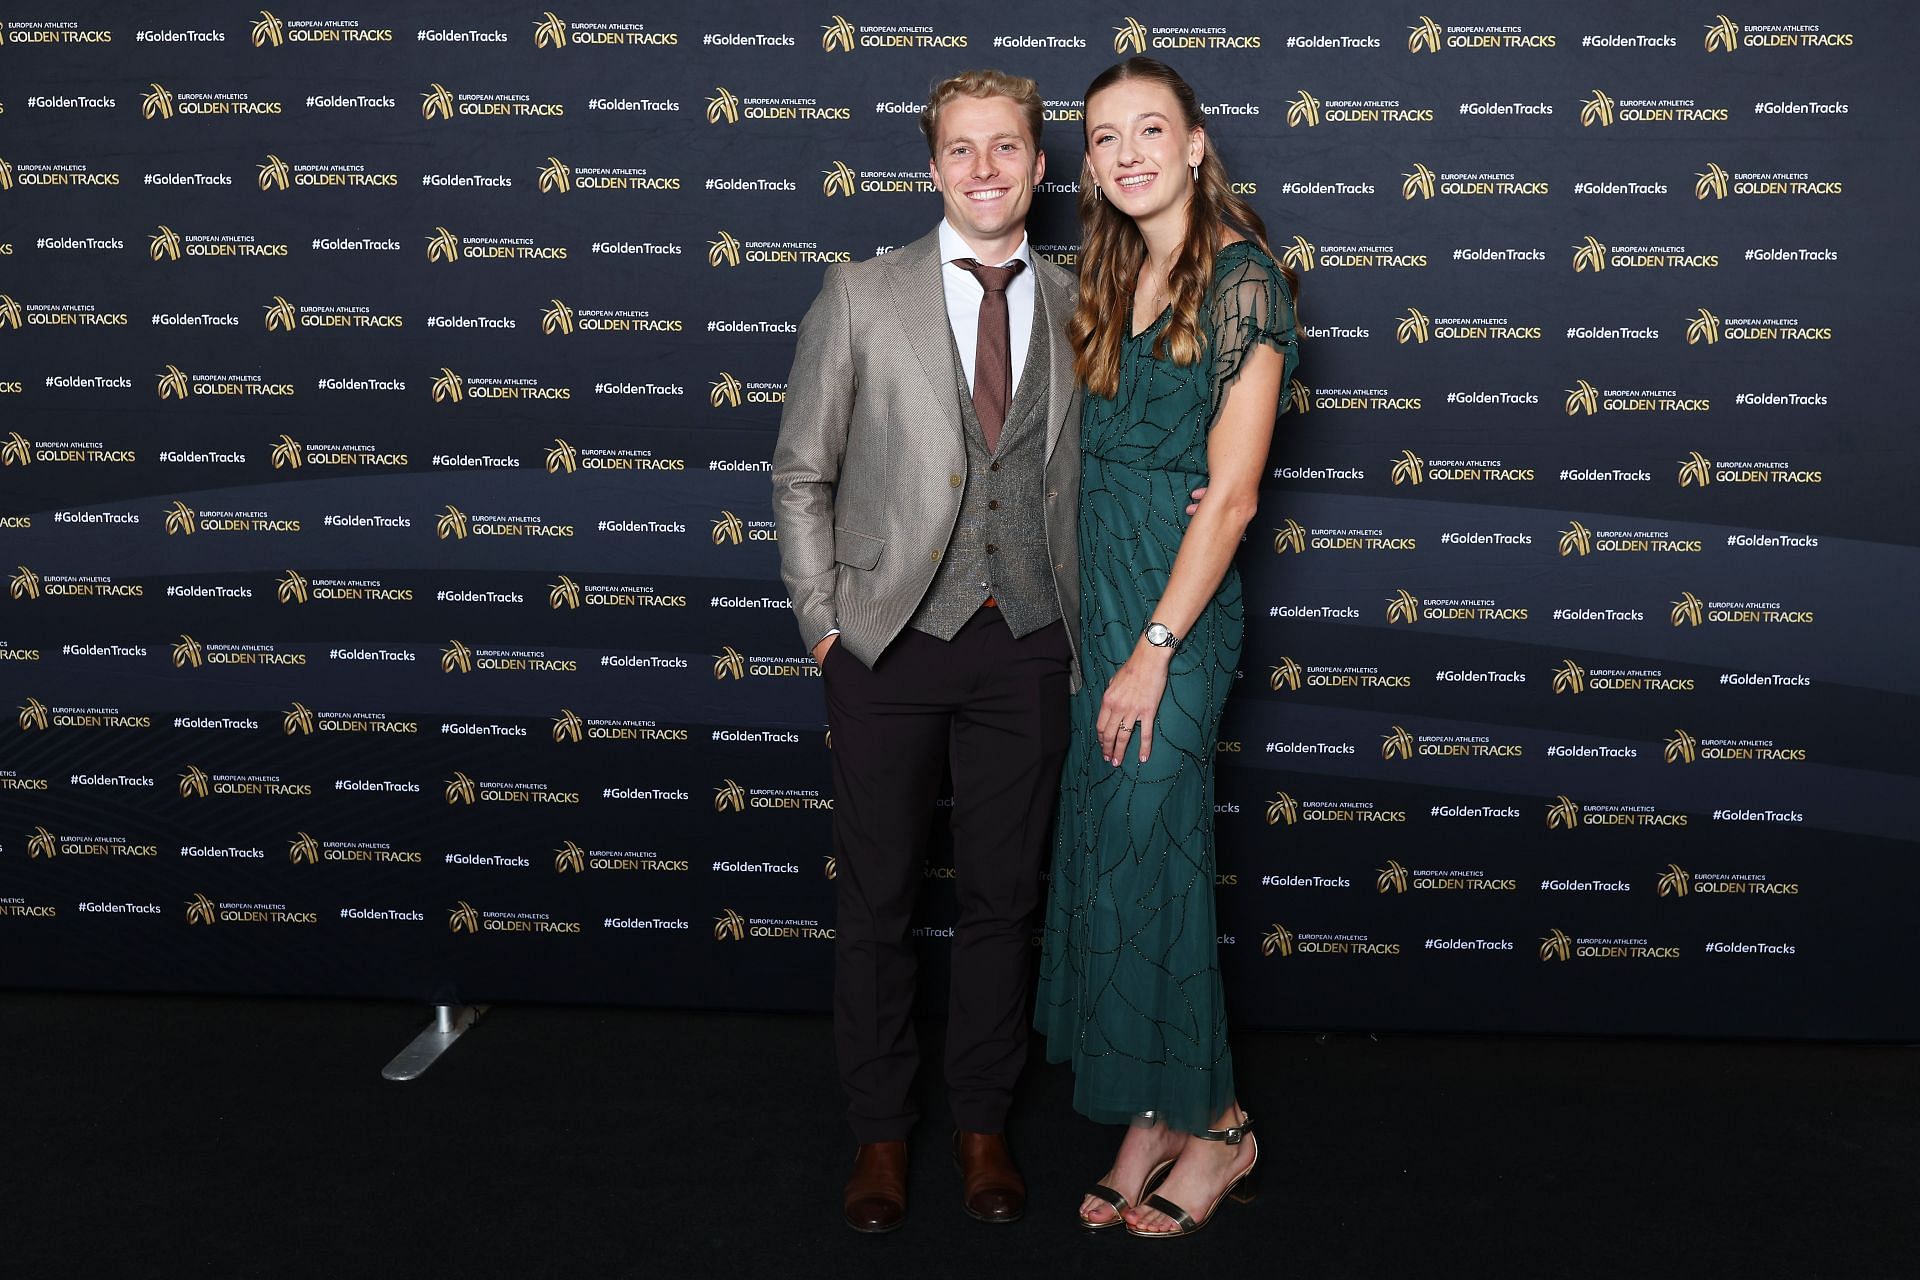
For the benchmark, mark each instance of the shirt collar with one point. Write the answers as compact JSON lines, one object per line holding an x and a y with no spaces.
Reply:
{"x":952,"y":246}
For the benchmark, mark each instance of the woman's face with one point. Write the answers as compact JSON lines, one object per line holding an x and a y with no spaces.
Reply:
{"x":1140,"y":149}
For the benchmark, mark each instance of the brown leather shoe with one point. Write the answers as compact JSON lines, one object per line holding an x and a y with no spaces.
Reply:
{"x":876,"y":1195}
{"x":991,"y":1187}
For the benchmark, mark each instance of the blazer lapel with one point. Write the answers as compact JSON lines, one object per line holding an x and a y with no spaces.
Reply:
{"x":1059,"y":369}
{"x":919,"y":295}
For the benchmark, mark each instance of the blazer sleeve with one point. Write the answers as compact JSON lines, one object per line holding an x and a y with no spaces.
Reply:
{"x":807,"y":457}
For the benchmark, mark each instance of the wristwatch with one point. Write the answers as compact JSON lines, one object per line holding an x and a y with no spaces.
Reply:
{"x":1161,"y":636}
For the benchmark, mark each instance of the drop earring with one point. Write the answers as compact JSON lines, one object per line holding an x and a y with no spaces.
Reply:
{"x":1196,"y":172}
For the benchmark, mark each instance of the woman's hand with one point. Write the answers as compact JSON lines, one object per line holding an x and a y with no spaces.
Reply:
{"x":1133,"y":699}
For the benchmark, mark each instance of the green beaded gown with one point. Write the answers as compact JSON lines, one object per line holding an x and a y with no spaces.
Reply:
{"x":1129,"y":972}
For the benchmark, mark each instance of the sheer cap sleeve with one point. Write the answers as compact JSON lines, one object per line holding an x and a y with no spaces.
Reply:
{"x":1250,"y":305}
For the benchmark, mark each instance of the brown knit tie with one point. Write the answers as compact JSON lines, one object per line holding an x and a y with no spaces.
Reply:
{"x":992,"y":350}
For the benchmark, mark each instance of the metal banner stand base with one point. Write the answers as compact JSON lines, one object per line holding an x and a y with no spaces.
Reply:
{"x":449,"y":1022}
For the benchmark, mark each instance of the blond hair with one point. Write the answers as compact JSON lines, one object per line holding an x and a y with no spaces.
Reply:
{"x":984,"y":83}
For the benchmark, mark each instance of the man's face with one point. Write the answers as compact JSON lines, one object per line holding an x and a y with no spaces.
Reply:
{"x":986,"y":166}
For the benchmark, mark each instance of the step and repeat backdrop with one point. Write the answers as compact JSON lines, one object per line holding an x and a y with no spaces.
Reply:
{"x":386,"y":406}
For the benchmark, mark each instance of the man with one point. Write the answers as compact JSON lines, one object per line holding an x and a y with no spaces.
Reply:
{"x":925,"y":485}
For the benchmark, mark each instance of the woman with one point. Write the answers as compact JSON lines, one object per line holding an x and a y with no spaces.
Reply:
{"x":1183,"y":336}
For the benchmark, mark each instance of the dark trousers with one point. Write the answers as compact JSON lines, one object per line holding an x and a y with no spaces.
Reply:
{"x":995,"y":708}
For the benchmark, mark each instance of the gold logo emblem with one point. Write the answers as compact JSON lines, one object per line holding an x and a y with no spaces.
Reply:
{"x":1403,"y":607}
{"x":562,"y":458}
{"x":1711,"y":183}
{"x":1596,"y":110}
{"x":1695,"y":469}
{"x":436,"y":102}
{"x":1408,"y":468}
{"x":730,"y":665}
{"x":443,"y":246}
{"x":1582,"y":397}
{"x":1393,"y":876}
{"x":832,"y":869}
{"x":193,"y":783}
{"x":570,"y":857}
{"x":292,"y":589}
{"x":1577,"y":539}
{"x":460,"y":789}
{"x":1299,"y":396}
{"x":838,"y":181}
{"x":557,"y":318}
{"x":1589,"y":255}
{"x":1570,"y":677}
{"x":1278,"y":942}
{"x":1556,"y":946}
{"x":1682,"y":748}
{"x":556,"y":177}
{"x":180,"y":518}
{"x":274,"y":174}
{"x":568,"y":727}
{"x":1303,"y":109}
{"x":6,"y":176}
{"x":16,"y":450}
{"x":565,"y":592}
{"x":1418,"y":183}
{"x":730,"y":927}
{"x":173,"y":383}
{"x":723,"y":105}
{"x":287,"y":453}
{"x":1704,"y":327}
{"x":304,"y":849}
{"x":299,"y":720}
{"x":1293,"y":537}
{"x":729,"y":528}
{"x":550,"y":32}
{"x":281,"y":315}
{"x":1424,"y":34}
{"x":1688,"y":609}
{"x":724,"y":250}
{"x":1398,"y":744}
{"x":158,"y":102}
{"x":730,"y":797}
{"x":448,"y":386}
{"x":268,"y":31}
{"x":34,"y":714}
{"x":25,"y":585}
{"x":1563,"y":813}
{"x":188,"y":653}
{"x":165,"y":243}
{"x":1130,"y":36}
{"x":463,"y":918}
{"x":1286,"y":676}
{"x":452,"y":523}
{"x":201,"y":910}
{"x":1723,"y":35}
{"x":837,"y":35}
{"x":1299,"y":254}
{"x":725,"y":391}
{"x":1673,"y":883}
{"x":9,"y":313}
{"x":41,"y":844}
{"x":456,"y":657}
{"x":1414,"y":327}
{"x":1282,"y":808}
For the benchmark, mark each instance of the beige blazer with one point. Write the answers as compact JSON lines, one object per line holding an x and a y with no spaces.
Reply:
{"x":868,"y":470}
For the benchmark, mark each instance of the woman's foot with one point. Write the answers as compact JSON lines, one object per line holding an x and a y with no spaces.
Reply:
{"x":1198,"y":1179}
{"x":1144,"y":1149}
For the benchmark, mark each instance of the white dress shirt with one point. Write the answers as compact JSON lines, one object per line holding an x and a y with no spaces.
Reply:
{"x":963,"y":302}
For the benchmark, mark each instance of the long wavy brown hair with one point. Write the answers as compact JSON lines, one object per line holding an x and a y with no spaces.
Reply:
{"x":1112,"y":250}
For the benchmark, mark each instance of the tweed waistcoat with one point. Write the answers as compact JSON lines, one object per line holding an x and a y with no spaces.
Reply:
{"x":999,"y":543}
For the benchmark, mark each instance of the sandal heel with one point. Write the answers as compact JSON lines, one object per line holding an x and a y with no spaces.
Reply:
{"x":1247,"y":1187}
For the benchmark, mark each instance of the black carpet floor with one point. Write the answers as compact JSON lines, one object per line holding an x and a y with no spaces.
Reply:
{"x":155,"y":1136}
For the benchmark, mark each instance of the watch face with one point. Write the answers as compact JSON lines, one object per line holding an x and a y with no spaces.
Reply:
{"x":1158,"y":633}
